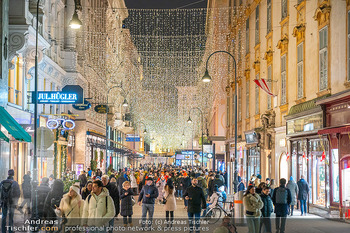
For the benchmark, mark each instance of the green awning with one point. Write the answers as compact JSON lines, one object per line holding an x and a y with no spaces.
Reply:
{"x":3,"y":137}
{"x":308,"y":105}
{"x":13,"y":127}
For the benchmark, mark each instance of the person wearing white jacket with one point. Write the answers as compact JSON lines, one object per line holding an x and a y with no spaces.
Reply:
{"x":98,"y":207}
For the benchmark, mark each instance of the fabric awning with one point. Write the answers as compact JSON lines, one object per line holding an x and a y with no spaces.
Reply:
{"x":3,"y":137}
{"x":13,"y":127}
{"x":341,"y":129}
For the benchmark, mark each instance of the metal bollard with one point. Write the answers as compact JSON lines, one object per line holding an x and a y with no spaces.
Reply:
{"x":239,"y":219}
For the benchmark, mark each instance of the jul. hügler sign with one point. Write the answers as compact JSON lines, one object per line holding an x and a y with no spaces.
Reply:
{"x":70,"y":94}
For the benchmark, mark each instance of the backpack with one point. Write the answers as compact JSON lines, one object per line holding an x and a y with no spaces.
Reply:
{"x":6,"y":192}
{"x":281,"y":195}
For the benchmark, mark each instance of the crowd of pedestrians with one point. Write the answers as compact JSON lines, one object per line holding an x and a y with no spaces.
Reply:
{"x":98,"y":199}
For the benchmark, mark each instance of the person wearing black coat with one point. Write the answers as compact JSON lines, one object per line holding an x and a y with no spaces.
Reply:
{"x":121,"y":179}
{"x":126,"y":209}
{"x":85,"y":192}
{"x":114,"y":193}
{"x":53,"y":200}
{"x":27,"y":193}
{"x":42,"y":192}
{"x":211,"y":185}
{"x":281,"y":198}
{"x":185,"y":183}
{"x":303,"y":194}
{"x":266,"y":210}
{"x":196,"y":202}
{"x":148,"y":195}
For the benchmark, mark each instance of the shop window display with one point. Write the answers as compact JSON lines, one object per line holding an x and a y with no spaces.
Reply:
{"x":335,"y":175}
{"x":284,"y":168}
{"x":346,"y":180}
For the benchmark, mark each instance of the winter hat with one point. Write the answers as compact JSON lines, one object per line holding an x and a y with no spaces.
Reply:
{"x":45,"y":180}
{"x":11,"y":172}
{"x":149,"y":178}
{"x":75,"y":189}
{"x":258,"y":176}
{"x":291,"y":178}
{"x":267,"y":179}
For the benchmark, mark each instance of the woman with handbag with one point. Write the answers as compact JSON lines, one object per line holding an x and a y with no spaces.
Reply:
{"x":71,"y":207}
{"x":127,"y":202}
{"x":169,"y":201}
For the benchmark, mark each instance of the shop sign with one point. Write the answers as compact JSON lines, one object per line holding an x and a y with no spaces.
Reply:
{"x":55,"y":123}
{"x":102,"y":108}
{"x":70,"y":94}
{"x":82,"y":107}
{"x":132,"y":138}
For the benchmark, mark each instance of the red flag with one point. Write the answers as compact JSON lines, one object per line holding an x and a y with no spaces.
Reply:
{"x":323,"y":157}
{"x":262,"y":84}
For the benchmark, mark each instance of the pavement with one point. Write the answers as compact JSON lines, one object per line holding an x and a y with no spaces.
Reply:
{"x":297,"y":223}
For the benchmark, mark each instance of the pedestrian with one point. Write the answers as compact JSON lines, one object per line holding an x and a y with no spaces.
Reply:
{"x":213,"y":201}
{"x":71,"y":206}
{"x":241,"y":186}
{"x":196,"y":202}
{"x":114,"y":194}
{"x":260,"y":187}
{"x":266,"y":210}
{"x":121,"y":179}
{"x":9,"y":193}
{"x":268,"y":182}
{"x":170,"y":205}
{"x":272,"y":186}
{"x":293,"y":188}
{"x":98,"y":207}
{"x":98,"y":173}
{"x":83,"y":179}
{"x":148,"y":195}
{"x":126,"y":206}
{"x":185,"y":183}
{"x":42,"y":192}
{"x":51,"y":180}
{"x":210,"y":184}
{"x":303,"y":194}
{"x":85,"y":192}
{"x":257,"y":181}
{"x":226,"y":226}
{"x":53,"y":199}
{"x":133,"y":182}
{"x":253,"y":205}
{"x":89,"y":172}
{"x":281,"y":198}
{"x":160,"y":185}
{"x":202,"y":183}
{"x":218,"y":181}
{"x":26,"y":193}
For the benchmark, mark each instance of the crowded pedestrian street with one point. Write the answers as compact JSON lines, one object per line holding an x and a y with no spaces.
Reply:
{"x":218,"y":116}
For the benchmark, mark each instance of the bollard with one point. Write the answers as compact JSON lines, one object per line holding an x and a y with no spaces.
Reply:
{"x":239,"y":217}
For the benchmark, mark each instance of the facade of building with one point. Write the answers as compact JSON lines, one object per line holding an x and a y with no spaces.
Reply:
{"x":299,"y":49}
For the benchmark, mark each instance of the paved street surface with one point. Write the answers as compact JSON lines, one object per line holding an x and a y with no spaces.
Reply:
{"x":296,"y":223}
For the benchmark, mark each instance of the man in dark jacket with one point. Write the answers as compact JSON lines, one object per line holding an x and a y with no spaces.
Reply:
{"x":148,"y":195}
{"x":303,"y":194}
{"x":121,"y":179}
{"x":10,"y":193}
{"x":196,"y":202}
{"x":27,"y":193}
{"x":281,"y":198}
{"x":185,"y":183}
{"x":211,"y":185}
{"x":42,"y":192}
{"x":114,"y":193}
{"x":83,"y":180}
{"x":266,"y":210}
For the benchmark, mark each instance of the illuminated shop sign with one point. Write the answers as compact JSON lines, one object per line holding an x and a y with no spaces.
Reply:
{"x":55,"y":123}
{"x":70,"y":94}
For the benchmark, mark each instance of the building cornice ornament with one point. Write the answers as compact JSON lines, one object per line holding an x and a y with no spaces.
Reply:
{"x":247,"y":73}
{"x":283,"y":43}
{"x":268,"y":56}
{"x":322,"y":14}
{"x":16,"y":42}
{"x":256,"y":66}
{"x":299,"y":32}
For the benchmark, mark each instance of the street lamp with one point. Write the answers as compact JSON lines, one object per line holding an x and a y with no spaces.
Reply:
{"x":125,"y":104}
{"x":75,"y":22}
{"x":207,"y":78}
{"x":190,"y":121}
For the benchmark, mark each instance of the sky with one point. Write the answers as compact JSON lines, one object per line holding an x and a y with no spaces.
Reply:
{"x":165,"y":4}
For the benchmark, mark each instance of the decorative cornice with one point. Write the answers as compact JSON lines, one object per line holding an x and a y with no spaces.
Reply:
{"x":299,"y":31}
{"x":256,"y":65}
{"x":324,"y":92}
{"x":301,"y":100}
{"x":322,"y":13}
{"x":283,"y":43}
{"x":284,"y":108}
{"x":247,"y":73}
{"x":268,"y":56}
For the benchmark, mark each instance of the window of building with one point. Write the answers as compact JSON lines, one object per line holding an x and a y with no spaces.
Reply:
{"x":257,"y":25}
{"x":348,"y":45}
{"x":269,"y":16}
{"x":15,"y":82}
{"x":283,"y":80}
{"x":284,"y":8}
{"x":269,"y":83}
{"x":300,"y":68}
{"x":323,"y":57}
{"x":247,"y":36}
{"x":239,"y":45}
{"x":300,"y":1}
{"x":257,"y":97}
{"x":247,"y":100}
